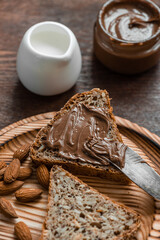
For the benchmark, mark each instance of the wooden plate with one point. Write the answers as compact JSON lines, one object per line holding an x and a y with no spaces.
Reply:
{"x":33,"y":214}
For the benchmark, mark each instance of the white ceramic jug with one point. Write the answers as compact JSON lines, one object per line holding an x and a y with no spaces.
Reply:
{"x":49,"y":59}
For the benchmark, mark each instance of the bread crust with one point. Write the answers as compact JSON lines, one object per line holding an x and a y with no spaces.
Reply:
{"x":110,"y":172}
{"x":128,"y":235}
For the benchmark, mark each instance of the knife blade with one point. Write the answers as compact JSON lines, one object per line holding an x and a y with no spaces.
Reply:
{"x":140,"y":173}
{"x":134,"y":167}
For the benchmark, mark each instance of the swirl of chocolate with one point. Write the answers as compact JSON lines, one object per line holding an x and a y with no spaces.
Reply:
{"x":129,"y":21}
{"x":81,"y":135}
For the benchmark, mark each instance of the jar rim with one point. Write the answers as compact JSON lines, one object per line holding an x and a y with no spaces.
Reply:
{"x":121,"y":41}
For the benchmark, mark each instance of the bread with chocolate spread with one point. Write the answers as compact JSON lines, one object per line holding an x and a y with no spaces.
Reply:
{"x":81,"y":137}
{"x":77,"y":211}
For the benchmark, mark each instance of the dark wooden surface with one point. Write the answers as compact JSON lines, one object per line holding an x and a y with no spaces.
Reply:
{"x":136,"y":98}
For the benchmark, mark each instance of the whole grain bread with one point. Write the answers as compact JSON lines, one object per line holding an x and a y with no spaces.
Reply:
{"x":78,"y":212}
{"x":42,"y":154}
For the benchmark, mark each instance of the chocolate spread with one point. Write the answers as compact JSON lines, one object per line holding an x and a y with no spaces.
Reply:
{"x":119,"y":17}
{"x":81,"y":135}
{"x":127,"y":35}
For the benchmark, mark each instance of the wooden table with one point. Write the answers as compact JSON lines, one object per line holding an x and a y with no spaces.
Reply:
{"x":136,"y":98}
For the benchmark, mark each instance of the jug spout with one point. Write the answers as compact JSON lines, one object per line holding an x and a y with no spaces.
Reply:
{"x":52,"y":40}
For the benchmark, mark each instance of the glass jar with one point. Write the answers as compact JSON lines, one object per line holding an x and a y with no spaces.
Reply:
{"x":125,"y":56}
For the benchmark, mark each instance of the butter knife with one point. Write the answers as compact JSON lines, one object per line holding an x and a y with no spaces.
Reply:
{"x":140,"y":173}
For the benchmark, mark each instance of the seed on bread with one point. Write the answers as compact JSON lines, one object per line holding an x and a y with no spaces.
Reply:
{"x":24,"y":173}
{"x":6,"y":189}
{"x":12,"y":171}
{"x":43,"y":176}
{"x":7,"y":208}
{"x":22,"y":152}
{"x":28,"y":194}
{"x":22,"y":231}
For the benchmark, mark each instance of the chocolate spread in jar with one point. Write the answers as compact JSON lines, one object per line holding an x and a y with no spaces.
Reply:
{"x":127,"y":35}
{"x":130,"y":21}
{"x":81,"y":135}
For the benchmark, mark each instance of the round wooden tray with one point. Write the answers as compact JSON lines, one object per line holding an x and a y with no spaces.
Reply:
{"x":33,"y":214}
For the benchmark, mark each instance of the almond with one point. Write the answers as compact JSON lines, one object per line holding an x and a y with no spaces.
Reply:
{"x":22,"y":231}
{"x":6,"y":189}
{"x":43,"y":176}
{"x":2,"y":164}
{"x":7,"y":208}
{"x":3,"y":167}
{"x":28,"y":194}
{"x":12,"y":171}
{"x":24,"y":173}
{"x":2,"y":171}
{"x":22,"y":152}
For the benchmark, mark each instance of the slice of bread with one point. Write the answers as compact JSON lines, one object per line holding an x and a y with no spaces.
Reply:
{"x":42,"y":154}
{"x":79,"y":212}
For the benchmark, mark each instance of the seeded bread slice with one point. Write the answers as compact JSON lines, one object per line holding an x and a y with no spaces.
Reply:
{"x":41,"y":154}
{"x":78,"y":212}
